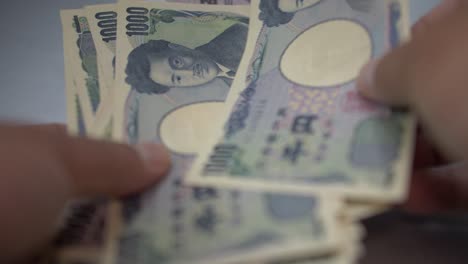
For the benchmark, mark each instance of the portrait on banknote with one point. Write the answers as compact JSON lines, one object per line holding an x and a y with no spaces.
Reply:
{"x":194,"y":76}
{"x":158,"y":65}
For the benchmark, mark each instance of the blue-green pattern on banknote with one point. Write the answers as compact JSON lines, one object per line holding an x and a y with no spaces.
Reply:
{"x":186,"y":60}
{"x":302,"y":131}
{"x":108,"y":33}
{"x":79,"y":117}
{"x":88,"y":59}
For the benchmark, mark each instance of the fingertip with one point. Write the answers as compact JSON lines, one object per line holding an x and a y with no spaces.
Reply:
{"x":100,"y":168}
{"x":156,"y":160}
{"x":365,"y":82}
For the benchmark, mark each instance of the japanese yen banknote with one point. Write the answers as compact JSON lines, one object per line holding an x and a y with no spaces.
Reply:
{"x":295,"y":122}
{"x":175,"y":66}
{"x":257,"y":105}
{"x":102,"y":21}
{"x":82,"y":62}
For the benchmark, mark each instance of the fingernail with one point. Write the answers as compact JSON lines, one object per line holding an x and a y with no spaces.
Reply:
{"x":156,"y":158}
{"x":366,"y":79}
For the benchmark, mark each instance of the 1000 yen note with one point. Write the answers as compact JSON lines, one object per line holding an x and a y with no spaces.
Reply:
{"x":176,"y":60}
{"x":175,"y":67}
{"x":75,"y":119}
{"x":85,"y":236}
{"x":80,"y":49}
{"x":175,"y":224}
{"x":297,"y":124}
{"x":349,"y":253}
{"x":85,"y":224}
{"x":103,"y":26}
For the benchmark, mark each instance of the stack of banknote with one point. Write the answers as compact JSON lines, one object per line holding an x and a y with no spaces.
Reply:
{"x":276,"y":157}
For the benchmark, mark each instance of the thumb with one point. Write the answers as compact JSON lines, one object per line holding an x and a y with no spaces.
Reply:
{"x":407,"y":75}
{"x":92,"y":167}
{"x":111,"y":169}
{"x":428,"y":75}
{"x":42,"y":167}
{"x":387,"y":79}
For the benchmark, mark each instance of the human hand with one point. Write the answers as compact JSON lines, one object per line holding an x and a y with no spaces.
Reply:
{"x":429,"y":75}
{"x":42,"y":168}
